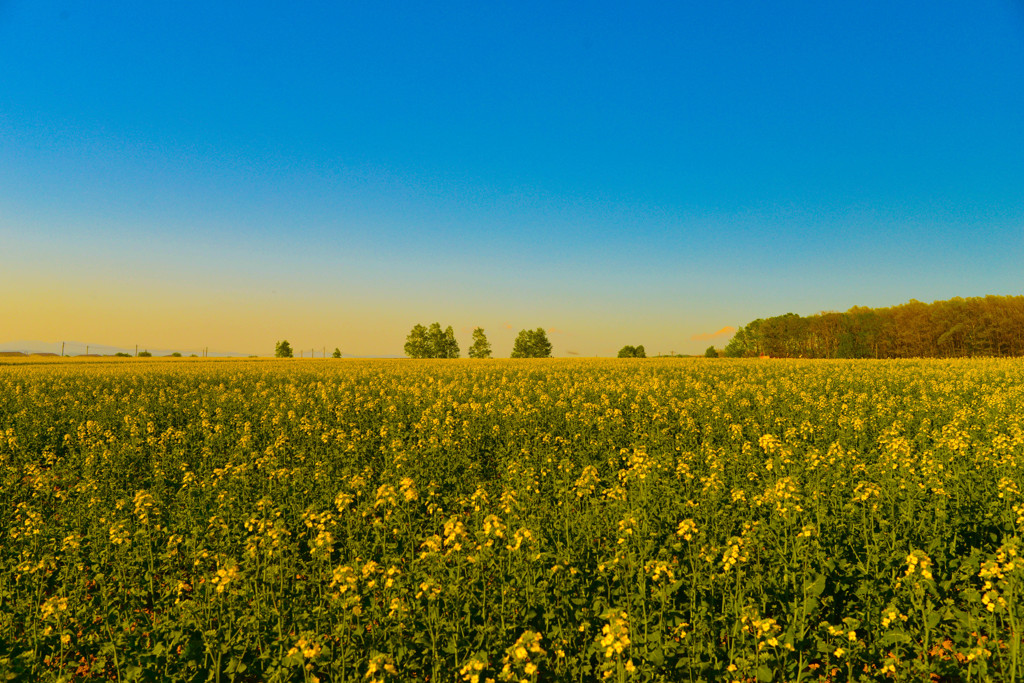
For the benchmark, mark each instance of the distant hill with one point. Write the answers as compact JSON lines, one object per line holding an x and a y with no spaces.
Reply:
{"x":977,"y":326}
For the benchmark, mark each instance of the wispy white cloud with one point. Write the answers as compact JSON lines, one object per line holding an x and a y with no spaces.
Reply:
{"x":726,"y":331}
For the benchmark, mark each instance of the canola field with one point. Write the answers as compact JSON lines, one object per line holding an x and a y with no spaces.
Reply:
{"x":535,"y":520}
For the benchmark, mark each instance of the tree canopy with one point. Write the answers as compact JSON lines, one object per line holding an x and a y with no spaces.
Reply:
{"x":432,"y":342}
{"x":532,"y":344}
{"x":481,"y":348}
{"x":416,"y":342}
{"x":283,"y":350}
{"x":633,"y":352}
{"x":977,"y":326}
{"x":337,"y":353}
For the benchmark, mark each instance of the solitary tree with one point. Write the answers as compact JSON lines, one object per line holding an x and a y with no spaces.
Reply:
{"x":711,"y":352}
{"x":481,"y":348}
{"x":283,"y":350}
{"x":337,"y":353}
{"x":532,"y":344}
{"x":633,"y":352}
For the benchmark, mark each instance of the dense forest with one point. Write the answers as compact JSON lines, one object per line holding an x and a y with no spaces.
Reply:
{"x":976,"y":326}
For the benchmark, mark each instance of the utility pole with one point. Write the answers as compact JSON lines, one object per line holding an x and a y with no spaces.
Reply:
{"x":87,"y":349}
{"x":136,"y":350}
{"x":62,"y":349}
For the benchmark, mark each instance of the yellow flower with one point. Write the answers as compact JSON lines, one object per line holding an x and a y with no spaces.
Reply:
{"x":54,"y":606}
{"x":524,"y":654}
{"x":686,"y":530}
{"x":225,"y":575}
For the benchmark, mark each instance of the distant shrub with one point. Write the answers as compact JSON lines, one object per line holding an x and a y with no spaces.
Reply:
{"x":633,"y":352}
{"x":145,"y":354}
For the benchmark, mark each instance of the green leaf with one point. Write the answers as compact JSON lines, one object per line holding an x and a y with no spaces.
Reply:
{"x":764,"y":674}
{"x":816,"y":587}
{"x":235,"y":665}
{"x":892,"y":638}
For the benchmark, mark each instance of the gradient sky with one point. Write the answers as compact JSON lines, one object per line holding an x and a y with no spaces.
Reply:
{"x":189,"y":174}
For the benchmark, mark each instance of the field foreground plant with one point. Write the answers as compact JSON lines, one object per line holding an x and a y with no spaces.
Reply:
{"x":512,"y":520}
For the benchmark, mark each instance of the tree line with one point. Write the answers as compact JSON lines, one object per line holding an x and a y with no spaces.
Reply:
{"x":432,"y":342}
{"x":975,"y":326}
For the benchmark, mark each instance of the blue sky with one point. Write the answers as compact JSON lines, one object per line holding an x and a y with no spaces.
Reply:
{"x":193,"y":174}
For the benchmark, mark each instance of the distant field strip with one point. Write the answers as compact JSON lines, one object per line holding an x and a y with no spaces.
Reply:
{"x":536,"y":520}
